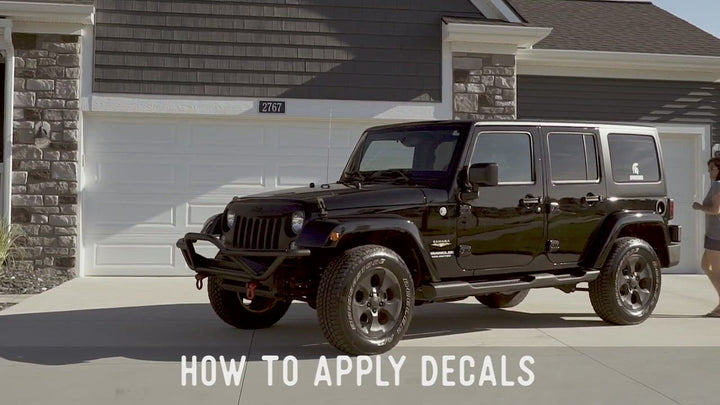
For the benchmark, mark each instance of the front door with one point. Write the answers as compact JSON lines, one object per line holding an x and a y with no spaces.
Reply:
{"x":504,"y":226}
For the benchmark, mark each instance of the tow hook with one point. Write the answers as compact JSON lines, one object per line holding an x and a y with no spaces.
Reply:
{"x":198,"y":280}
{"x":250,"y":290}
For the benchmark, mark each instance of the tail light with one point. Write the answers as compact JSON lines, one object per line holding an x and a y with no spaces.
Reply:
{"x":671,"y":204}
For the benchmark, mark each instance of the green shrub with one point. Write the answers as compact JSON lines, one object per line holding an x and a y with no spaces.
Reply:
{"x":12,"y":239}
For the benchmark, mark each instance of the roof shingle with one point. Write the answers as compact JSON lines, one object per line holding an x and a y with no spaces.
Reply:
{"x":615,"y":26}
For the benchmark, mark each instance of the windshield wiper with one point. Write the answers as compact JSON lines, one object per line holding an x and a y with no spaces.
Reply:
{"x":396,"y":174}
{"x":353,"y":177}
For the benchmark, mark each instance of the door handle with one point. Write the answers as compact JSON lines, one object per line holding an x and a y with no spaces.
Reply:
{"x":591,"y":198}
{"x":530,"y":200}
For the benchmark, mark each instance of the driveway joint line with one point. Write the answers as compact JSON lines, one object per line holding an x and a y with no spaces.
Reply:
{"x":609,"y":367}
{"x":247,"y":366}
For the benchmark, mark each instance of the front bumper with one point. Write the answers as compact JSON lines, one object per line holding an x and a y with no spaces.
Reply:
{"x":240,"y":267}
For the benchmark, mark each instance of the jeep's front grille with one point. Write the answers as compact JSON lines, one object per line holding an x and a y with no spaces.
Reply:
{"x":258,"y":233}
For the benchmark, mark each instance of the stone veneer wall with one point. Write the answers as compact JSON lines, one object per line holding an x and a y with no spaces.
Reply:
{"x":484,"y":87}
{"x":45,"y":159}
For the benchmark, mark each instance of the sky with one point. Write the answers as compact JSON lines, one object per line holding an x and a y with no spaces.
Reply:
{"x":701,"y":13}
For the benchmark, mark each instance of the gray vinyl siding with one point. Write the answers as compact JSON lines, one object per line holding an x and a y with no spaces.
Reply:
{"x":648,"y":101}
{"x":81,"y":2}
{"x":317,"y":49}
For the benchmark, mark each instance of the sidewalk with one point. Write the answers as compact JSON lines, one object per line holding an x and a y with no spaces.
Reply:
{"x":8,"y":300}
{"x":121,"y":341}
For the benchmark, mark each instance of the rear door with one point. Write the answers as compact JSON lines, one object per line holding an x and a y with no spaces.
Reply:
{"x":504,"y":226}
{"x":576,"y":193}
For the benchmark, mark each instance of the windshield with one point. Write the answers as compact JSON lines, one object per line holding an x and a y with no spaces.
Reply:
{"x":410,"y":155}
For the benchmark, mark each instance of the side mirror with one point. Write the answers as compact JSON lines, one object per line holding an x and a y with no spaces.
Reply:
{"x":483,"y":174}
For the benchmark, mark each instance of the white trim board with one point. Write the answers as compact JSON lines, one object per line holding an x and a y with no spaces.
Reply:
{"x":618,"y":65}
{"x":247,"y":107}
{"x":501,"y":39}
{"x":48,"y":12}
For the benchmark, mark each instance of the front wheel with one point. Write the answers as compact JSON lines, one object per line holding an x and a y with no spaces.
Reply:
{"x":236,"y":310}
{"x":628,"y":287}
{"x":365,"y":300}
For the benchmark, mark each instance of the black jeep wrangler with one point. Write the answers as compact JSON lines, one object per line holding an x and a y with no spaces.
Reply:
{"x":440,"y":211}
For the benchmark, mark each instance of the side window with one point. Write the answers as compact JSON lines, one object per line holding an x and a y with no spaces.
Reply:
{"x":511,"y":151}
{"x":634,"y":158}
{"x":573,"y":157}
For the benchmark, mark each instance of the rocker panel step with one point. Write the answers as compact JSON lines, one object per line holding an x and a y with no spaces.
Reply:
{"x":458,"y":289}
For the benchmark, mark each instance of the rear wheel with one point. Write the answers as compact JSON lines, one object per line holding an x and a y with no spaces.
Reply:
{"x":503,"y":300}
{"x":240,"y":312}
{"x":628,"y":287}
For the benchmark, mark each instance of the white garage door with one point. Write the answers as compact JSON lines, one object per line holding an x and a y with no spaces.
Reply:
{"x":149,"y":181}
{"x":682,"y":160}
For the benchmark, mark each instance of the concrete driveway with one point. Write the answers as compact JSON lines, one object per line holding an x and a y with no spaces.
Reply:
{"x":122,"y":341}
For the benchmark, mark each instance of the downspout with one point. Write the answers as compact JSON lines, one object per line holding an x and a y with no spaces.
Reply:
{"x":8,"y":121}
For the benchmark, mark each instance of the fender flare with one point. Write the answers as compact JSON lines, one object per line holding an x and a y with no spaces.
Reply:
{"x":316,"y":234}
{"x":603,"y":237}
{"x":212,"y":225}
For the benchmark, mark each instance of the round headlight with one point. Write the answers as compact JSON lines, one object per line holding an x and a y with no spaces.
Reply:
{"x":297,"y":222}
{"x":230,"y":218}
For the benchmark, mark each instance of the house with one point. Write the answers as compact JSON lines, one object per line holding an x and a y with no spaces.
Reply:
{"x":129,"y":122}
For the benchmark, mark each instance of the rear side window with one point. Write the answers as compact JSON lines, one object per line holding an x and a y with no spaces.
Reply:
{"x":634,"y":158}
{"x":573,"y":157}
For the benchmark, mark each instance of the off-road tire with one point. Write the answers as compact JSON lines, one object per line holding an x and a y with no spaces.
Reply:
{"x":628,"y":287}
{"x":261,"y":312}
{"x":503,"y":300}
{"x":358,"y":279}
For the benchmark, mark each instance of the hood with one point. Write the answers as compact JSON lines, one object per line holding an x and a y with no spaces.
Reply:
{"x":341,"y":196}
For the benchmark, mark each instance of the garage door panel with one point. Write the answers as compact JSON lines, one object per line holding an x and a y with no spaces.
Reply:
{"x":197,"y":214}
{"x":125,"y":136}
{"x":344,"y":138}
{"x":108,"y":214}
{"x":136,"y":255}
{"x":136,"y":173}
{"x":239,"y":175}
{"x":300,"y":175}
{"x":118,"y":254}
{"x":303,"y":137}
{"x":218,"y":137}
